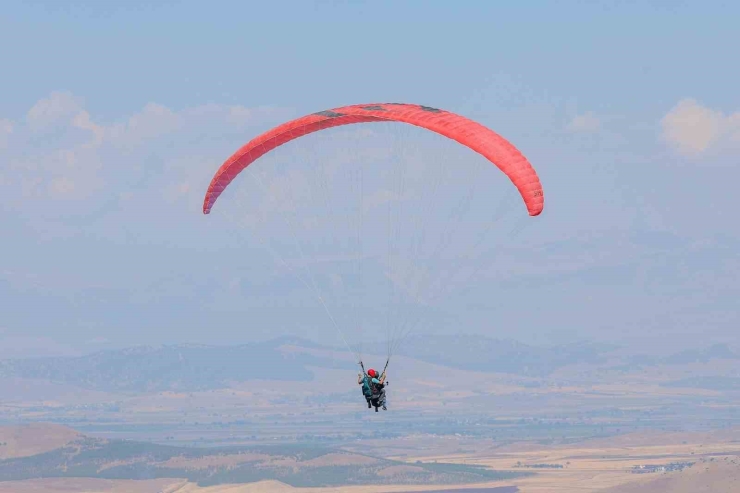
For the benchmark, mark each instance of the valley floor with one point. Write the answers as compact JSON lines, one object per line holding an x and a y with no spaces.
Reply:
{"x":704,"y":462}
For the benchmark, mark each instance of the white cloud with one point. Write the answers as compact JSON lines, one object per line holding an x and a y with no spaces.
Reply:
{"x":154,"y":120}
{"x":239,"y":115}
{"x":82,"y":121}
{"x":61,"y":163}
{"x":77,"y":155}
{"x":587,"y":122}
{"x":177,"y":191}
{"x":65,"y":173}
{"x":6,"y":128}
{"x":62,"y":186}
{"x":693,"y":129}
{"x":48,"y":111}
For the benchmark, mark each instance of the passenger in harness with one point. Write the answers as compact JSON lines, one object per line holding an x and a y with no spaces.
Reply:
{"x":365,"y":380}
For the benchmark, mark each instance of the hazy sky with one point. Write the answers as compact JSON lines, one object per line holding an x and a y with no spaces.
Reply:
{"x":115,"y":115}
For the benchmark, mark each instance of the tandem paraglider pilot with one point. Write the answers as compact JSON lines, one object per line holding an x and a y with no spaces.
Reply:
{"x":373,"y":388}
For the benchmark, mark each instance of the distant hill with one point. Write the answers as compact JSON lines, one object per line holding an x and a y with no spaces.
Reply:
{"x":479,"y":353}
{"x":716,"y":351}
{"x":720,"y":383}
{"x":176,"y":367}
{"x":689,"y":356}
{"x":202,"y":367}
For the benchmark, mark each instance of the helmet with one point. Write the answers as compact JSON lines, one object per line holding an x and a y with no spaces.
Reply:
{"x":372,"y":373}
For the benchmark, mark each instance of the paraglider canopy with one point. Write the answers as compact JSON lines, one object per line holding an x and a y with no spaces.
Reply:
{"x":467,"y":132}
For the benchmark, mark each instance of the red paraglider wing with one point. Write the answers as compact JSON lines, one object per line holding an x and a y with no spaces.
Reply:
{"x":467,"y":132}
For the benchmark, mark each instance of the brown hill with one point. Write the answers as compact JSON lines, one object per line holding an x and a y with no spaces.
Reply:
{"x":32,"y":439}
{"x":90,"y":485}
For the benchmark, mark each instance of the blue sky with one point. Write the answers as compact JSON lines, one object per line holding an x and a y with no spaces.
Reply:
{"x":116,"y":114}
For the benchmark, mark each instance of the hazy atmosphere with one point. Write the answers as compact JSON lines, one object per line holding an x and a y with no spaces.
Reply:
{"x":129,"y":313}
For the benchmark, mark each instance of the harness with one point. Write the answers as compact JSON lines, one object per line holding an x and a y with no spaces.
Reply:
{"x":367,"y":386}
